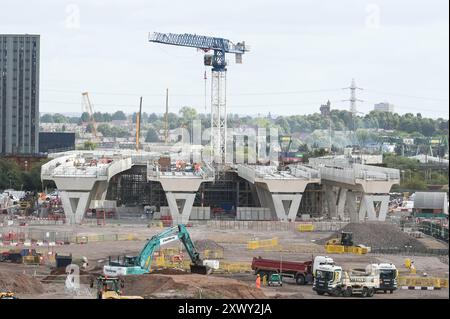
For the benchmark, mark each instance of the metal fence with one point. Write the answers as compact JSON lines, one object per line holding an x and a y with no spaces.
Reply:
{"x":274,"y":225}
{"x":410,"y":251}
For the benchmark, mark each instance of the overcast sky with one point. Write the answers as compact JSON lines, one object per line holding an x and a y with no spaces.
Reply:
{"x":302,"y":53}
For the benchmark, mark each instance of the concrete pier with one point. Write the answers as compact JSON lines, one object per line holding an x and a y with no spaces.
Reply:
{"x":371,"y":183}
{"x":280,"y":191}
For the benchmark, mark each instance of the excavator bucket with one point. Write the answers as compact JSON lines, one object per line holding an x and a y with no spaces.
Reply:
{"x":200,"y":269}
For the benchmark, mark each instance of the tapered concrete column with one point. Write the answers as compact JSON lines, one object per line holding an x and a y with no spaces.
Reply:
{"x":342,"y":198}
{"x":331,"y":201}
{"x":99,"y":190}
{"x":265,"y":199}
{"x":286,"y":206}
{"x":187,"y":201}
{"x":75,"y":204}
{"x":351,"y":205}
{"x":367,"y":207}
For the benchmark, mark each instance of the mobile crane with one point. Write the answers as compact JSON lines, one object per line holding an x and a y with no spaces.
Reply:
{"x":135,"y":265}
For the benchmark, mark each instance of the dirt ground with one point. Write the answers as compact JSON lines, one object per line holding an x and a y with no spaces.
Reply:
{"x":293,"y":246}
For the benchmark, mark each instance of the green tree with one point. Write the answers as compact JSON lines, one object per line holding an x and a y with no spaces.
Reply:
{"x":89,"y":146}
{"x":85,"y":117}
{"x":152,"y":136}
{"x":47,"y":118}
{"x":188,"y":114}
{"x":59,"y":118}
{"x":119,"y":116}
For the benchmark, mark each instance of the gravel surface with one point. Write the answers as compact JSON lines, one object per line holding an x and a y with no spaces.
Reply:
{"x":378,"y":235}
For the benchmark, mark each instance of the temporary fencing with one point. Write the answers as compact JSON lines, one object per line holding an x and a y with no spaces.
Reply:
{"x":265,"y":243}
{"x":434,"y":282}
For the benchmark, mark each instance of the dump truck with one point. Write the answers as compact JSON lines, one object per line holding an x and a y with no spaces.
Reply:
{"x":333,"y":280}
{"x":302,"y":272}
{"x":19,"y":256}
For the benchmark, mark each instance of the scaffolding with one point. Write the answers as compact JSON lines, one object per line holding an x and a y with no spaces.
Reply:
{"x":312,"y":201}
{"x":228,"y":191}
{"x":130,"y":188}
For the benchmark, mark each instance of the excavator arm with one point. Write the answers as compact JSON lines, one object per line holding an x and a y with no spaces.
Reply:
{"x":197,"y":263}
{"x":144,"y":259}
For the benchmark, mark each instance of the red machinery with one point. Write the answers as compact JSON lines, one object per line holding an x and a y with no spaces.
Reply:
{"x":300,"y":271}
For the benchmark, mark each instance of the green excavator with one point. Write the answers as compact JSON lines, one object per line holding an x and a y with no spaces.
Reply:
{"x":136,"y":265}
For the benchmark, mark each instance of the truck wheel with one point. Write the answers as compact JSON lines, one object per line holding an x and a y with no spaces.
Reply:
{"x":321,"y":293}
{"x":371,"y":292}
{"x":365,"y":292}
{"x":300,"y":280}
{"x":385,"y":291}
{"x":309,"y":278}
{"x":337,"y":292}
{"x":348,"y":292}
{"x":391,"y":291}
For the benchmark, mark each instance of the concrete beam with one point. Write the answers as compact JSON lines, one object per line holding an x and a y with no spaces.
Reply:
{"x":187,"y":201}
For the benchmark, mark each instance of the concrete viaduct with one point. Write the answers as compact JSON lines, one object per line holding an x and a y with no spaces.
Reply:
{"x":83,"y":176}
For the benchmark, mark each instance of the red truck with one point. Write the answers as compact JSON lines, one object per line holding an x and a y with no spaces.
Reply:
{"x":302,"y":272}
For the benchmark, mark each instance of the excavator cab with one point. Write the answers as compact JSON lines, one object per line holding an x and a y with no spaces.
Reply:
{"x":346,"y":239}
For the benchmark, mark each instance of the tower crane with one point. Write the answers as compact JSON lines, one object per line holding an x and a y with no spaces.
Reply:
{"x":88,"y":108}
{"x":220,"y":47}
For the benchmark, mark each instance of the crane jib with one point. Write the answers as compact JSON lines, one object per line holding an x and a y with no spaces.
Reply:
{"x":197,"y":41}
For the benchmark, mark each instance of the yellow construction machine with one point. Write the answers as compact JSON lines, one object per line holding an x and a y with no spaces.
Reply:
{"x":109,"y":288}
{"x":7,"y":295}
{"x":345,"y":244}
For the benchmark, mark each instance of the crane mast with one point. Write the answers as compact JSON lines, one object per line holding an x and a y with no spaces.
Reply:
{"x":220,"y":47}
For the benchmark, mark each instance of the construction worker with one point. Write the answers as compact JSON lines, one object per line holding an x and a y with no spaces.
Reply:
{"x":258,"y":281}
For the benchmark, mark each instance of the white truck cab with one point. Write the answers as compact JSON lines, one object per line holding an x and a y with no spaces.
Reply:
{"x":333,"y":280}
{"x":387,"y":274}
{"x":321,"y":260}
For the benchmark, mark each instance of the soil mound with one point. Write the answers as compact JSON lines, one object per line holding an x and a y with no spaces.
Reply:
{"x":207,"y":244}
{"x":20,"y":283}
{"x":188,"y":286}
{"x":59,"y":275}
{"x":378,"y":235}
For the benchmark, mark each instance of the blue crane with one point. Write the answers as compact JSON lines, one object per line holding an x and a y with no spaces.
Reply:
{"x":140,"y":264}
{"x":220,"y":47}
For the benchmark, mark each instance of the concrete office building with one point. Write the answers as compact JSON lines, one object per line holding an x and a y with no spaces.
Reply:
{"x":19,"y":93}
{"x":384,"y":107}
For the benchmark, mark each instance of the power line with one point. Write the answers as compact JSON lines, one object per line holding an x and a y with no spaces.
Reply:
{"x":410,"y":96}
{"x":190,"y":94}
